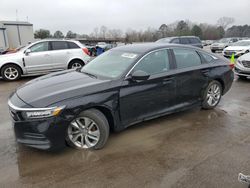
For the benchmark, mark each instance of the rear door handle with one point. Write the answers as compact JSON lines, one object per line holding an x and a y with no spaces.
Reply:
{"x":167,"y":80}
{"x":205,"y":71}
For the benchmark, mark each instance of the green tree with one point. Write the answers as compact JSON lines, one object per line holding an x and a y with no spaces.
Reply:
{"x":58,"y":35}
{"x":196,"y":31}
{"x":42,"y":34}
{"x":182,"y":28}
{"x":71,"y":35}
{"x":221,"y":31}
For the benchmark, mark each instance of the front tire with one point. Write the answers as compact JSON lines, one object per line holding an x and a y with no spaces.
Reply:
{"x":212,"y":95}
{"x":11,"y":72}
{"x":89,"y":130}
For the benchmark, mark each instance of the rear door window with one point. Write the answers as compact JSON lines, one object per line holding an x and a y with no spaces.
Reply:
{"x":184,"y":41}
{"x":59,"y":45}
{"x":186,"y":58}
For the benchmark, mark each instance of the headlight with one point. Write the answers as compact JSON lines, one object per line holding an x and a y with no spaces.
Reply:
{"x":42,"y":112}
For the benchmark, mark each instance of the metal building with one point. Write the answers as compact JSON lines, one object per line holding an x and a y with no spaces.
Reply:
{"x":14,"y":34}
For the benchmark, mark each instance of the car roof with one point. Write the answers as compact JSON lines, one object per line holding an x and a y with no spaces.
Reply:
{"x":67,"y":40}
{"x":146,"y":47}
{"x":173,"y":37}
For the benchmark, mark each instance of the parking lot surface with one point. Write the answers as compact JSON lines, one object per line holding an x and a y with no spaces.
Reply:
{"x":194,"y":148}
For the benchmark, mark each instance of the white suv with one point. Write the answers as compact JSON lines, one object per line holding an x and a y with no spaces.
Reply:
{"x":42,"y":57}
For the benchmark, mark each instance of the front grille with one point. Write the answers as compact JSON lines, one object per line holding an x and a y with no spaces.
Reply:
{"x":246,"y":64}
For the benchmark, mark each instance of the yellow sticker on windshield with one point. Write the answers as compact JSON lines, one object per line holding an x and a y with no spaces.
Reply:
{"x":129,"y":55}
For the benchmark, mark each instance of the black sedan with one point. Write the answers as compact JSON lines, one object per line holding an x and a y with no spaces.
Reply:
{"x":121,"y":87}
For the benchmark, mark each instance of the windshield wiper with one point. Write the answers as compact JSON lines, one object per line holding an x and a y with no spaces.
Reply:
{"x":89,"y":74}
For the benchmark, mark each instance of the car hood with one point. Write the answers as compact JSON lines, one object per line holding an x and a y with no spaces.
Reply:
{"x":9,"y":56}
{"x":218,"y":44}
{"x":55,"y":87}
{"x":237,"y":48}
{"x":245,"y":57}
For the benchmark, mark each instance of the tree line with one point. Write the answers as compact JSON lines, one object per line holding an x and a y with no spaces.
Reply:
{"x":179,"y":28}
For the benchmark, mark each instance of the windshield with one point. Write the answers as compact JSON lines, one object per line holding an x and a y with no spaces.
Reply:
{"x":164,"y":40}
{"x":241,"y":43}
{"x":111,"y":64}
{"x":224,"y":40}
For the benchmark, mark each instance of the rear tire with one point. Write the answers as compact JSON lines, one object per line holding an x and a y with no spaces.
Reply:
{"x":89,"y":130}
{"x":212,"y":95}
{"x":75,"y":64}
{"x":11,"y":72}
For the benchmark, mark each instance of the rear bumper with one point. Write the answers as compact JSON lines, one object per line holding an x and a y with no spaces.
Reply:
{"x":228,"y":80}
{"x":217,"y":48}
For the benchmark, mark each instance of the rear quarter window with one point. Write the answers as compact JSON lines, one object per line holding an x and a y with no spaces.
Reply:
{"x":194,"y":41}
{"x":59,"y":45}
{"x":208,"y":58}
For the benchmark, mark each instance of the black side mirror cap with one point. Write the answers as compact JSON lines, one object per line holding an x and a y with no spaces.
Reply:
{"x":139,"y":75}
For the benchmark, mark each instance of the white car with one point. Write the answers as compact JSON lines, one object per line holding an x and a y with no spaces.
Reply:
{"x":43,"y":57}
{"x":238,"y":48}
{"x":242,"y":66}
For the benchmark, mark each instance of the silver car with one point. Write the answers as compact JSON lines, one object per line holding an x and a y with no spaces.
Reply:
{"x":222,"y":43}
{"x":43,"y":57}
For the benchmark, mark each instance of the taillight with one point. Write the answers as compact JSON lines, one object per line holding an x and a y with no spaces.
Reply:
{"x":231,"y":65}
{"x":85,"y":50}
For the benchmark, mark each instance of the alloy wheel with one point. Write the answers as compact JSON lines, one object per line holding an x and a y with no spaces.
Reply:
{"x":11,"y":73}
{"x":213,"y":94}
{"x":83,"y":132}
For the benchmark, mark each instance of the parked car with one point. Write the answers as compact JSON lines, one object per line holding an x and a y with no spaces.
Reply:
{"x":117,"y":89}
{"x":102,"y":45}
{"x":238,"y":48}
{"x":242,"y":66}
{"x":222,"y":43}
{"x":42,"y":57}
{"x":186,"y":40}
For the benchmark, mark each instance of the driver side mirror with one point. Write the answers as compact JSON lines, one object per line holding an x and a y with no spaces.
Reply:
{"x":27,"y":52}
{"x":139,"y":75}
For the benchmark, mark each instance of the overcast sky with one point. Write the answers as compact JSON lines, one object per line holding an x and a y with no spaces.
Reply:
{"x":82,"y":16}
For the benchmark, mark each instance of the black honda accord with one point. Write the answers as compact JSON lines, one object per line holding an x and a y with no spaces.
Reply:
{"x":119,"y":88}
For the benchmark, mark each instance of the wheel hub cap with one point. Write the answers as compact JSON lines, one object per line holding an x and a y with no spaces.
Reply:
{"x":83,"y":132}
